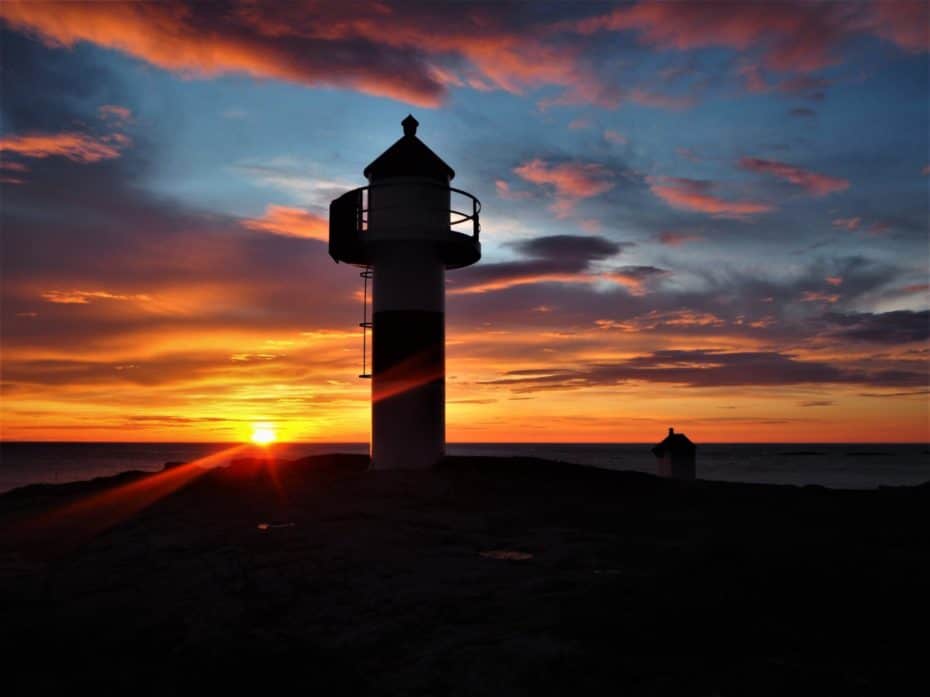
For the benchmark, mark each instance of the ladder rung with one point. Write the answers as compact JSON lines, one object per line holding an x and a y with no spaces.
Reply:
{"x":366,"y":325}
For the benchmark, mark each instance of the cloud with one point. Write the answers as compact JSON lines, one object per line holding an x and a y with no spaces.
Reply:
{"x":204,"y":40}
{"x":660,"y":101}
{"x":696,"y":195}
{"x":570,"y":181}
{"x":849,"y":224}
{"x":612,"y":136}
{"x":84,"y":297}
{"x":637,"y":279}
{"x":676,"y":239}
{"x":571,"y":247}
{"x":812,"y":182}
{"x":791,"y":36}
{"x":505,"y":192}
{"x":803,"y":112}
{"x":551,"y":259}
{"x":417,"y":52}
{"x":290,"y":222}
{"x":412,"y":53}
{"x":906,"y":23}
{"x":897,"y":327}
{"x":114,"y":112}
{"x":708,"y":368}
{"x":795,"y":36}
{"x":814,"y":296}
{"x":77,"y":147}
{"x":911,"y":289}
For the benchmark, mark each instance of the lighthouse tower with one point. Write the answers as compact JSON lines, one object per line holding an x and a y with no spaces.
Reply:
{"x":405,"y":229}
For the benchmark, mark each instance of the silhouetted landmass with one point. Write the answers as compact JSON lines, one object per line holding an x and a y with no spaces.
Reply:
{"x":486,"y":576}
{"x":801,"y":453}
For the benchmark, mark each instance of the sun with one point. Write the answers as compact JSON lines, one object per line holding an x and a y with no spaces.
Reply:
{"x":263,"y":434}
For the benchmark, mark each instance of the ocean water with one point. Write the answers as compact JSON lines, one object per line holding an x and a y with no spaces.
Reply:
{"x":850,"y":466}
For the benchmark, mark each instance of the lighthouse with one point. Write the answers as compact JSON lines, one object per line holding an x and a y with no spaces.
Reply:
{"x":405,"y":230}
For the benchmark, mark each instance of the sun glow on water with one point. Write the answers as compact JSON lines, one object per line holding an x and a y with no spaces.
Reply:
{"x":263,"y":434}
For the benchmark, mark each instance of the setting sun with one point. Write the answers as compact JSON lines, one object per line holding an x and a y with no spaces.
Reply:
{"x":263,"y":434}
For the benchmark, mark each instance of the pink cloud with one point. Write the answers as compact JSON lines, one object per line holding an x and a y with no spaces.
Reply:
{"x":677,"y":239}
{"x":793,"y":36}
{"x":579,"y":124}
{"x":696,"y":195}
{"x":905,"y":23}
{"x":660,"y":101}
{"x":812,"y":182}
{"x":505,"y":192}
{"x":689,"y":154}
{"x":849,"y":224}
{"x":834,"y":280}
{"x":115,"y":112}
{"x":570,"y":180}
{"x":612,"y":136}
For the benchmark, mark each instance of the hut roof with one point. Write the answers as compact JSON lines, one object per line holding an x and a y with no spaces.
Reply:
{"x":674,"y":443}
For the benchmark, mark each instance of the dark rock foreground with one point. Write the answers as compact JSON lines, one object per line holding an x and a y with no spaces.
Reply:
{"x":321,"y":577}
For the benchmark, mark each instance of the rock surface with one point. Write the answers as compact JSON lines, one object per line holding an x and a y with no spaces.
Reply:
{"x":483,"y":577}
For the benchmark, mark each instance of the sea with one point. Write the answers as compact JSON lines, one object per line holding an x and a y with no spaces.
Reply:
{"x":839,"y":466}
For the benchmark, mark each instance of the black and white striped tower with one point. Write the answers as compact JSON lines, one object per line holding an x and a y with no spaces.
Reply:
{"x":405,"y":231}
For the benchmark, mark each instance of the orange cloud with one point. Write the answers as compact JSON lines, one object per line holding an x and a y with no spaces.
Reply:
{"x":513,"y":281}
{"x":695,"y":195}
{"x":811,"y":296}
{"x":290,"y":222}
{"x":240,"y":40}
{"x":113,"y":111}
{"x":373,"y":49}
{"x":84,"y":297}
{"x":812,"y":182}
{"x":78,"y":147}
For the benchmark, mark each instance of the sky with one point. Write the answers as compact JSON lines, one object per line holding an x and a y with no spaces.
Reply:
{"x":706,"y":215}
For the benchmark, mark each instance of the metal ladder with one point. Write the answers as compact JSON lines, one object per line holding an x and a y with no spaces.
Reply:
{"x":365,"y":324}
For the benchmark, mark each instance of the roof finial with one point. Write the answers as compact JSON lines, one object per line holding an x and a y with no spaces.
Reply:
{"x":671,"y":431}
{"x":410,"y":125}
